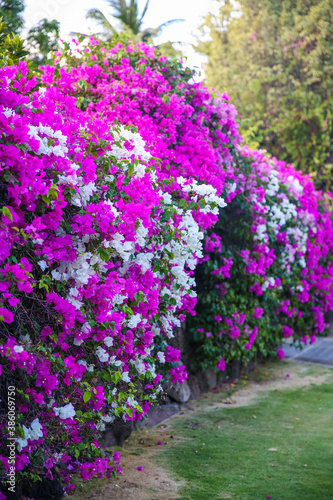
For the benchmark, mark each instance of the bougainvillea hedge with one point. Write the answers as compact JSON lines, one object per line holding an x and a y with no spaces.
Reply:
{"x":267,"y":271}
{"x":97,"y":254}
{"x":274,"y":217}
{"x":113,"y":163}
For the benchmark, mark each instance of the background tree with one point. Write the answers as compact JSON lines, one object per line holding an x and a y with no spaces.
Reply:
{"x":42,"y":40}
{"x":10,"y":11}
{"x":11,"y":47}
{"x":275,"y":59}
{"x":131,"y":21}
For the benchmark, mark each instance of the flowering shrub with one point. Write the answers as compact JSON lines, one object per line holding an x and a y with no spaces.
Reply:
{"x":96,"y":256}
{"x":268,"y":257}
{"x":111,"y":166}
{"x":267,"y":270}
{"x":193,"y":134}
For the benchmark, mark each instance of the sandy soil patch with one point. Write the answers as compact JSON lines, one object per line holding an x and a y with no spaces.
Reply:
{"x":153,"y":483}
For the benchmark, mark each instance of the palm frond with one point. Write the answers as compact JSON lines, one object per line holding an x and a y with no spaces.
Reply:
{"x":98,"y":16}
{"x":144,"y":11}
{"x":127,"y":12}
{"x":153,"y":32}
{"x":171,"y":21}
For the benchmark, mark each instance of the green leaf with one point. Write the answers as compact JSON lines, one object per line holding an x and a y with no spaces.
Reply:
{"x":128,"y":310}
{"x":7,"y":213}
{"x":46,"y":199}
{"x":53,"y":192}
{"x":130,"y":411}
{"x":104,"y":254}
{"x":86,"y":396}
{"x":130,"y":169}
{"x":115,"y":377}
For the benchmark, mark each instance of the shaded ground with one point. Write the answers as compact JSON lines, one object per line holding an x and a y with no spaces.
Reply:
{"x":268,"y":436}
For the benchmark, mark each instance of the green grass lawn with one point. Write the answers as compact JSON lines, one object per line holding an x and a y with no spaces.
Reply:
{"x":279,"y":447}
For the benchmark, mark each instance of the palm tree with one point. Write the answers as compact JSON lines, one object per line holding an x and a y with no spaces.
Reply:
{"x":130,"y":19}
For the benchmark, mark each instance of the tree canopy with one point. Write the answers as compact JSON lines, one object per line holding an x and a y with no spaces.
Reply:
{"x":43,"y":39}
{"x":10,"y":12}
{"x":275,"y":59}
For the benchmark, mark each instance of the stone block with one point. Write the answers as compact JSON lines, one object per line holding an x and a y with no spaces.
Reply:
{"x":116,"y":433}
{"x":180,"y":392}
{"x":194,"y":386}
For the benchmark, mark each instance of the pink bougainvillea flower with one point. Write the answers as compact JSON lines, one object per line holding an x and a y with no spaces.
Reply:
{"x":287,"y":331}
{"x":221,"y":365}
{"x":280,"y":354}
{"x":179,"y":374}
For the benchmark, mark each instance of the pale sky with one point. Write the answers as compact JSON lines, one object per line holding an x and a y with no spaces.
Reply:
{"x":71,"y":14}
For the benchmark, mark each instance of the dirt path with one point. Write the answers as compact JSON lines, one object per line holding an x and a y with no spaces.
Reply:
{"x":150,"y":484}
{"x":288,"y":378}
{"x":156,"y":483}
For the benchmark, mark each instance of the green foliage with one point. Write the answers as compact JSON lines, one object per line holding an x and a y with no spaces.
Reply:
{"x":11,"y":47}
{"x":42,"y":40}
{"x":10,"y":12}
{"x":275,"y":59}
